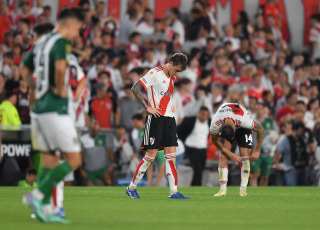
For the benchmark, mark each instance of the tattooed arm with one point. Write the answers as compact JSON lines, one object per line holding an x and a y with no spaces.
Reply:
{"x":256,"y":152}
{"x":136,"y":89}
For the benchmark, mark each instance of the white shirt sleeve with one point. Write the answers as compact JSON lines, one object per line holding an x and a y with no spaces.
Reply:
{"x":149,"y":79}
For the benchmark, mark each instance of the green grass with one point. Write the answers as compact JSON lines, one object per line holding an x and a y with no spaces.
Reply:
{"x":110,"y":208}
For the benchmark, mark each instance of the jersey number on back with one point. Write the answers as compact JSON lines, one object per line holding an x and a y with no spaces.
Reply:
{"x":248,"y":139}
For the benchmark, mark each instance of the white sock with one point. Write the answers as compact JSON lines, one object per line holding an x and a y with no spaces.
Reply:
{"x":60,"y":189}
{"x":223,"y":178}
{"x":171,"y":172}
{"x":37,"y":194}
{"x":140,"y":171}
{"x":245,"y":170}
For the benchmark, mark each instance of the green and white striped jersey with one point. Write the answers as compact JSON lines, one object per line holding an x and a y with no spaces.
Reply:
{"x":41,"y":60}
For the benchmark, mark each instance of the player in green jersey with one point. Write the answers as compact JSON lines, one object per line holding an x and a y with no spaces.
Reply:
{"x":52,"y":128}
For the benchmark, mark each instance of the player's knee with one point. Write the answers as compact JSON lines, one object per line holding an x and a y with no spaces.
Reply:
{"x":75,"y":162}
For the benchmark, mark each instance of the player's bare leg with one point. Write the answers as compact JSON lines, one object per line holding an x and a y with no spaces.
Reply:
{"x":223,"y":171}
{"x":245,"y":170}
{"x":264,"y":181}
{"x":254,"y":179}
{"x":140,"y":171}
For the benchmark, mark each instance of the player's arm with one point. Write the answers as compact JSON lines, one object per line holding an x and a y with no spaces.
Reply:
{"x":136,"y":89}
{"x":256,"y":152}
{"x":216,"y":141}
{"x":26,"y":75}
{"x":60,"y":71}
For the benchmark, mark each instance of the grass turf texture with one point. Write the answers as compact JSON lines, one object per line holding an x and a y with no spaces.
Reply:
{"x":110,"y":208}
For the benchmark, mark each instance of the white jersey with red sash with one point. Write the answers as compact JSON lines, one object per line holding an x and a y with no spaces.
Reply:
{"x":234,"y":111}
{"x":159,"y":87}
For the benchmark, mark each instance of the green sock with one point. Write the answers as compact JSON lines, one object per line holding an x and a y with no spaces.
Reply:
{"x":43,"y":173}
{"x":53,"y":177}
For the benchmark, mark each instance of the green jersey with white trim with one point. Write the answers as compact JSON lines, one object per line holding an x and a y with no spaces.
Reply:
{"x":41,"y":60}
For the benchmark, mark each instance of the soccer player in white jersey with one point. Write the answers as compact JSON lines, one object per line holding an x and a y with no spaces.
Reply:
{"x":232,"y":122}
{"x":160,"y":128}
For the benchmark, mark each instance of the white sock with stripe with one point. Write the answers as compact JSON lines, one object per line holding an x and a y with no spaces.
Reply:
{"x":172,"y":172}
{"x":140,"y":171}
{"x":245,"y":170}
{"x":223,"y":178}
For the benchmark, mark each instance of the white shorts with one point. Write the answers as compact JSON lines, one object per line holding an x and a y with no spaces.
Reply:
{"x":54,"y":133}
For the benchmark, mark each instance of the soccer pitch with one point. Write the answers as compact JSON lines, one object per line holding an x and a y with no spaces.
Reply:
{"x":110,"y":208}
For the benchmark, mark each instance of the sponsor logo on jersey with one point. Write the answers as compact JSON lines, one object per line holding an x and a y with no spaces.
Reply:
{"x":144,"y":80}
{"x":166,"y":94}
{"x":108,"y":105}
{"x":152,"y":139}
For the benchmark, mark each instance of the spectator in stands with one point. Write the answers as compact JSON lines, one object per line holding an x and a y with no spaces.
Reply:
{"x":38,"y":9}
{"x":8,"y":112}
{"x":6,"y":20}
{"x":177,"y":25}
{"x":257,"y":88}
{"x":98,"y":158}
{"x":194,"y":132}
{"x":295,"y":158}
{"x":25,"y":13}
{"x":101,"y":107}
{"x":146,"y":27}
{"x":23,"y":102}
{"x":244,"y":54}
{"x":286,"y":112}
{"x":30,"y":181}
{"x":128,"y":106}
{"x":268,"y":77}
{"x":123,"y":152}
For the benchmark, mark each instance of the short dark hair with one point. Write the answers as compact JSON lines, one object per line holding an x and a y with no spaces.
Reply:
{"x":25,"y":21}
{"x":227,"y":132}
{"x":179,"y":59}
{"x":137,"y":116}
{"x":204,"y":108}
{"x":266,"y":93}
{"x":74,"y":13}
{"x":291,"y":93}
{"x":43,"y":28}
{"x":31,"y":171}
{"x":298,"y":125}
{"x":176,"y":12}
{"x":104,"y":72}
{"x":185,"y":81}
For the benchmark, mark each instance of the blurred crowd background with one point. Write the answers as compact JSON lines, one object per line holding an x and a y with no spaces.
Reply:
{"x":247,"y":62}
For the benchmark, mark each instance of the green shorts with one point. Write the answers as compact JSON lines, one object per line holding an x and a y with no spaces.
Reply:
{"x":263,"y":163}
{"x":93,"y":175}
{"x":160,"y":157}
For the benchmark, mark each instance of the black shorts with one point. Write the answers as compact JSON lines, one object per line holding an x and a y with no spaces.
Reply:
{"x":159,"y":132}
{"x":243,"y":138}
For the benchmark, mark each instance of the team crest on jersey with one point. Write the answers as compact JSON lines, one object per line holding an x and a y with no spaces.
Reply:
{"x":152,"y":139}
{"x":151,"y":72}
{"x":108,"y":105}
{"x":68,"y":48}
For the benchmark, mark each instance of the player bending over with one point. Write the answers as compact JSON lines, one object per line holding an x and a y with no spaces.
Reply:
{"x":233,"y":122}
{"x":160,"y":128}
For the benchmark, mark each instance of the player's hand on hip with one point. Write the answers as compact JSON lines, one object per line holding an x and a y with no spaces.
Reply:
{"x":173,"y":109}
{"x":255,"y":155}
{"x":236,"y":159}
{"x":155,"y":112}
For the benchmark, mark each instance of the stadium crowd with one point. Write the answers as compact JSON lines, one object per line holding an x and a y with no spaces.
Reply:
{"x":248,"y":62}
